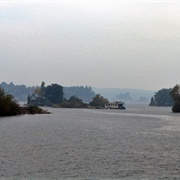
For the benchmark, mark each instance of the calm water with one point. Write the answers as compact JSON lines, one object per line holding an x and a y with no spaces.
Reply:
{"x":140,"y":142}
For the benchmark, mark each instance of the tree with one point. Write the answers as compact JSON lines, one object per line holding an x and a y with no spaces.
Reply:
{"x":54,"y":93}
{"x":8,"y":106}
{"x":1,"y":92}
{"x":42,"y":84}
{"x":73,"y":102}
{"x":152,"y":103}
{"x":29,"y":99}
{"x":175,"y":94}
{"x":38,"y":92}
{"x":98,"y":101}
{"x":163,"y":98}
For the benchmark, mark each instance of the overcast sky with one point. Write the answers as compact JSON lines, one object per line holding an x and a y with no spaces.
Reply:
{"x":99,"y":44}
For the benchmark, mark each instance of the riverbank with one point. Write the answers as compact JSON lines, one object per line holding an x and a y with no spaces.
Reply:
{"x":20,"y":110}
{"x":33,"y":110}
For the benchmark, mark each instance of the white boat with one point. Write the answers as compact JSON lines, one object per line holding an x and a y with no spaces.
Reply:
{"x":115,"y":105}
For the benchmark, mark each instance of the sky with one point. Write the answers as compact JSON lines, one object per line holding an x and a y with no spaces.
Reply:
{"x":103,"y":44}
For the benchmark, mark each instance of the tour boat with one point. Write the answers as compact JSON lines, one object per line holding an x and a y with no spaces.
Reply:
{"x":115,"y":105}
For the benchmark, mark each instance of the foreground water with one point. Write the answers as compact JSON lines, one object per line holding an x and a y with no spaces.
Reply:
{"x":140,"y":142}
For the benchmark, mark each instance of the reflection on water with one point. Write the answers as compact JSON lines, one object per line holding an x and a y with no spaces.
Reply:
{"x":139,"y":142}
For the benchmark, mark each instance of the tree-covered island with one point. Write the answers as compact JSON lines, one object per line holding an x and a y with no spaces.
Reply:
{"x":167,"y":97}
{"x":53,"y":96}
{"x":162,"y":98}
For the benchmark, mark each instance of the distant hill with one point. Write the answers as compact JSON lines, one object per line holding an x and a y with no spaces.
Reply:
{"x":20,"y":92}
{"x":85,"y":93}
{"x":130,"y":95}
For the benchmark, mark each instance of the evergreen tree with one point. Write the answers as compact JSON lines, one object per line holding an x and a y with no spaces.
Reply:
{"x":152,"y":103}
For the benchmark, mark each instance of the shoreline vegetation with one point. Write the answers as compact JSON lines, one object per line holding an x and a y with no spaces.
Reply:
{"x":22,"y":111}
{"x":33,"y":110}
{"x":52,"y":96}
{"x":9,"y":107}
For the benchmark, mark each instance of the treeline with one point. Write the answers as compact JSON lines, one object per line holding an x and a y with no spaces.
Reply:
{"x":162,"y":98}
{"x":124,"y":96}
{"x":20,"y":92}
{"x":52,"y":95}
{"x":127,"y":97}
{"x":85,"y":93}
{"x":73,"y":102}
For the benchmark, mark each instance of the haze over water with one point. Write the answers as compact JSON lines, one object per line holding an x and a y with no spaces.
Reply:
{"x":140,"y":142}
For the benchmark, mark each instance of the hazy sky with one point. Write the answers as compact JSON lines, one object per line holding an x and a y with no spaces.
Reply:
{"x":94,"y":43}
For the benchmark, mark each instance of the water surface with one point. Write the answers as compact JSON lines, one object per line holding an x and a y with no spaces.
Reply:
{"x":140,"y":142}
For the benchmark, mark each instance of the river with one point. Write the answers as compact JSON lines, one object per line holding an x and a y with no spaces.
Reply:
{"x":136,"y":143}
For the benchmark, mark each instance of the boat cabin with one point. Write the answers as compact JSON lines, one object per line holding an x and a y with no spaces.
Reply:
{"x":115,"y":105}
